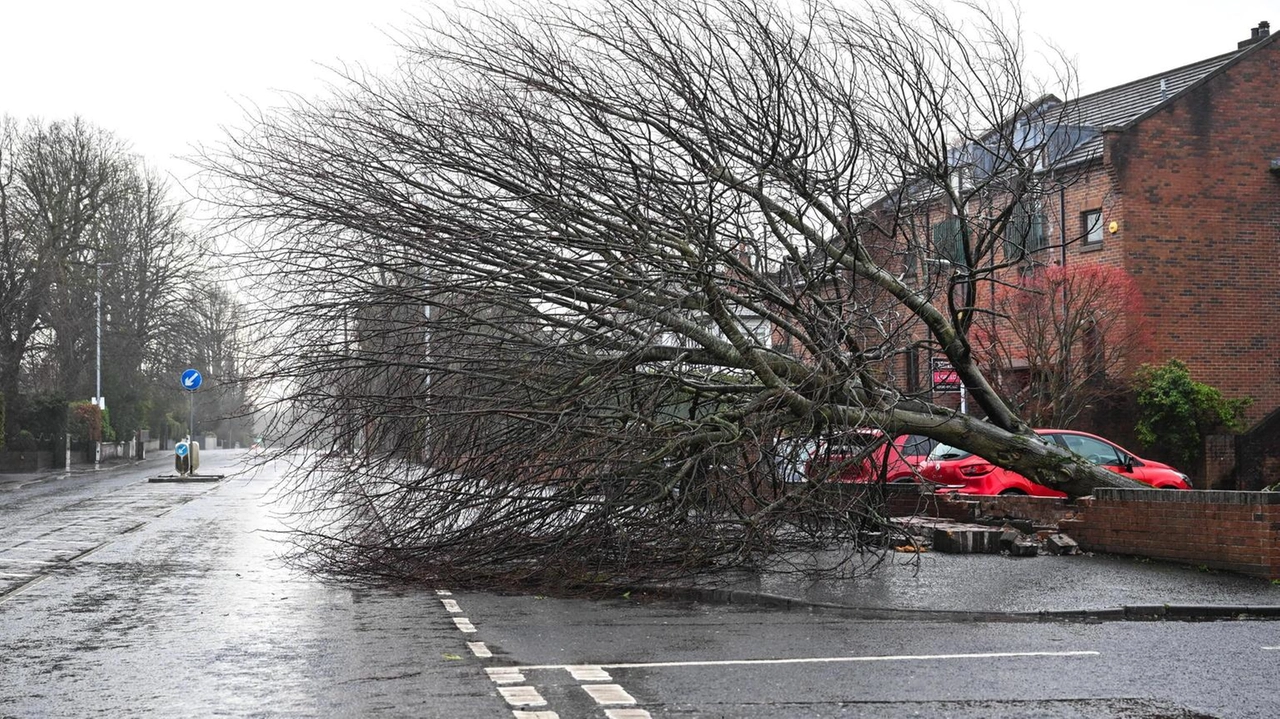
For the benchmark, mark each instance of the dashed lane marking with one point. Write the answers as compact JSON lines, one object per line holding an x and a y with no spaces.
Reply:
{"x":522,"y":696}
{"x":479,"y":649}
{"x":626,"y":714}
{"x":822,"y":660}
{"x":589,"y":674}
{"x":505,"y":675}
{"x":516,"y":696}
{"x":608,"y":694}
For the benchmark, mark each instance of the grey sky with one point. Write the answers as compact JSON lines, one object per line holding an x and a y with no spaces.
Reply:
{"x":164,"y":74}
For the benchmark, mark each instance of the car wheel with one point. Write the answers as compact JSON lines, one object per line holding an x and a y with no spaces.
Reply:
{"x":1013,"y":493}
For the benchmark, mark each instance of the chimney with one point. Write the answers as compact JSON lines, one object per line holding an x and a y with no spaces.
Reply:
{"x":1258,"y":33}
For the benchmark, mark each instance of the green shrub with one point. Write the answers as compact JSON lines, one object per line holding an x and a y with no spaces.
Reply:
{"x":24,"y":442}
{"x":108,"y":430}
{"x":1175,"y":412}
{"x":43,"y":414}
{"x":85,"y":422}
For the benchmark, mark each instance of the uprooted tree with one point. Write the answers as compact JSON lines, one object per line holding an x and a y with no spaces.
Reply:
{"x":545,"y":301}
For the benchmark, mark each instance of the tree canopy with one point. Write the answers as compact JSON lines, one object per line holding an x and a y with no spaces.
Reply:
{"x":547,"y":297}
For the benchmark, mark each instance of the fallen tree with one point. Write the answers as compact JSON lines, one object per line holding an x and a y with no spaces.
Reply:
{"x":547,"y":298}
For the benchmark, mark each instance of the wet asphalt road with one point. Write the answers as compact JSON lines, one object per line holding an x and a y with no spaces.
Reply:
{"x":123,"y":598}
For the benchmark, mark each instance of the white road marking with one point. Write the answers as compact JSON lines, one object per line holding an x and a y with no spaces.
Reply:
{"x":19,"y":541}
{"x":505,"y":675}
{"x":522,"y":696}
{"x":517,"y":714}
{"x":444,"y":592}
{"x":24,"y":588}
{"x":479,"y":649}
{"x":11,"y":560}
{"x":589,"y":674}
{"x":822,"y":660}
{"x":626,"y":714}
{"x":1271,"y":648}
{"x":464,"y":624}
{"x":608,"y":694}
{"x":23,"y":576}
{"x":451,"y":606}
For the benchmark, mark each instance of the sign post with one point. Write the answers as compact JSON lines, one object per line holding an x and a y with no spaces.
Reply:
{"x":946,"y":379}
{"x":191,"y":381}
{"x":186,"y":453}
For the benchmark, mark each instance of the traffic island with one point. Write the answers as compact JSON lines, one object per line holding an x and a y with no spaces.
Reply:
{"x":186,"y":460}
{"x":187,"y":478}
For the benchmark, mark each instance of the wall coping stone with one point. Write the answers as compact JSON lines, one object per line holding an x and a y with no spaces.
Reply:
{"x":1186,"y":496}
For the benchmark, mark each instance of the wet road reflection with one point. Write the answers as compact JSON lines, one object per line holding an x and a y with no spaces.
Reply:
{"x":169,"y":600}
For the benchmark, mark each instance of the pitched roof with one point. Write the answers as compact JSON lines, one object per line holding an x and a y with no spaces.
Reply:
{"x":1124,"y":104}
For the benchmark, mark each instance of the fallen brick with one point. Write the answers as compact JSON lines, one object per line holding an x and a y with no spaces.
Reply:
{"x":1024,"y":547}
{"x":977,"y":540}
{"x":1062,"y":544}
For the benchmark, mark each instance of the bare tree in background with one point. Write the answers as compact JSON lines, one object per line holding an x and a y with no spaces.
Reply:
{"x":79,"y":214}
{"x":547,"y":300}
{"x":55,"y":180}
{"x":1063,"y":340}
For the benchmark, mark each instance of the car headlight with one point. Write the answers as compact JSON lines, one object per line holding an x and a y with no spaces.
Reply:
{"x":1185,"y":479}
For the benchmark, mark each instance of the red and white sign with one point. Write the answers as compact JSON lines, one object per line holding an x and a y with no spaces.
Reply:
{"x":945,"y":378}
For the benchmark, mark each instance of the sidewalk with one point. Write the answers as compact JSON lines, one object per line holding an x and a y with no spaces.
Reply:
{"x":989,"y":586}
{"x":14,"y":480}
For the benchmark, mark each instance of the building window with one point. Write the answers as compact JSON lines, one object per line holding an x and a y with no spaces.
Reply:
{"x":948,"y":240}
{"x":1025,"y":232}
{"x":1091,"y":223}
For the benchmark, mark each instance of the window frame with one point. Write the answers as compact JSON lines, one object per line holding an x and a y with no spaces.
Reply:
{"x":1092,"y":234}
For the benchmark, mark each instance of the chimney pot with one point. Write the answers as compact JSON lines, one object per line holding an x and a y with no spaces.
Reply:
{"x":1257,"y":34}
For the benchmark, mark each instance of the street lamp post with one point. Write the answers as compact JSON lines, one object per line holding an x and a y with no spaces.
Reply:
{"x":97,"y":399}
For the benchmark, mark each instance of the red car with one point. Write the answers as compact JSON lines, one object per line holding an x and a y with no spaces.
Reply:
{"x":966,"y":473}
{"x":861,"y":456}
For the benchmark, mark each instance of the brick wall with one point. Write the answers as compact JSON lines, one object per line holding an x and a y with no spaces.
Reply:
{"x":910,"y":501}
{"x":1201,"y":223}
{"x":1040,"y":511}
{"x":1235,"y":531}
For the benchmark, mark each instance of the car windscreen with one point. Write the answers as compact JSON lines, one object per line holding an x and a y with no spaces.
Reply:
{"x":946,"y":451}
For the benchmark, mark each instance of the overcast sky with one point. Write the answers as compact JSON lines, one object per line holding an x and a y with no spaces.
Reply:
{"x":165,"y":74}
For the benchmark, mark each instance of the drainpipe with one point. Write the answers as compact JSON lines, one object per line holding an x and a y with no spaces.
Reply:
{"x":1062,"y":240}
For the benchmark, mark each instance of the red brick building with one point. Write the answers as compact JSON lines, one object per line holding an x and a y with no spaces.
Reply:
{"x":1185,"y":180}
{"x":1175,"y":178}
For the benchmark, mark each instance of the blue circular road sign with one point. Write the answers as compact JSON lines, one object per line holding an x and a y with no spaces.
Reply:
{"x":191,"y":380}
{"x":181,"y":449}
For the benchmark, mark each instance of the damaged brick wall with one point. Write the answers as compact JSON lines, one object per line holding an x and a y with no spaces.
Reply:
{"x":1042,"y":512}
{"x":1234,"y":531}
